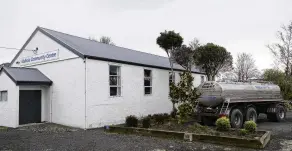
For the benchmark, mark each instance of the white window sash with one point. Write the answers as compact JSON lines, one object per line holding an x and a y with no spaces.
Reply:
{"x":150,"y":80}
{"x":118,"y":80}
{"x":118,"y":85}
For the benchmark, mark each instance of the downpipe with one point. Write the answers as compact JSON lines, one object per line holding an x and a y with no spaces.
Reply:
{"x":85,"y":94}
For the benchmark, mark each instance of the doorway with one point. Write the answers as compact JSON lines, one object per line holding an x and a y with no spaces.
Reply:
{"x":30,"y":106}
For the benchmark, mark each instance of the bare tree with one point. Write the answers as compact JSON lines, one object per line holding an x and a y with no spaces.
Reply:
{"x":194,"y":44}
{"x":106,"y":40}
{"x":103,"y":39}
{"x":245,"y":67}
{"x":92,"y":38}
{"x":282,"y":50}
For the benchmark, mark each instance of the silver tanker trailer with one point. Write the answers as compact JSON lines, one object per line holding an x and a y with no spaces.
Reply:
{"x":239,"y":101}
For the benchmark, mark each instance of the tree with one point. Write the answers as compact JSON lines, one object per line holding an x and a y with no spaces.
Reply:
{"x":106,"y":40}
{"x":278,"y":77}
{"x":213,"y":58}
{"x":245,"y":67}
{"x":274,"y":75}
{"x":184,"y":57}
{"x":282,"y":50}
{"x":168,"y":41}
{"x":226,"y":76}
{"x":185,"y":95}
{"x":92,"y":38}
{"x":103,"y":39}
{"x":194,"y":44}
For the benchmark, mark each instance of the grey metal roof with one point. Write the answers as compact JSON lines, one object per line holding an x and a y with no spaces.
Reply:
{"x":95,"y":50}
{"x":27,"y":76}
{"x":86,"y":48}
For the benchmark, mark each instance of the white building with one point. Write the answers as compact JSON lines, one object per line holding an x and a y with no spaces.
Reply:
{"x":82,"y":83}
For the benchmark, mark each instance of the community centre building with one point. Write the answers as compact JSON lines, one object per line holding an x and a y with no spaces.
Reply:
{"x":73,"y":81}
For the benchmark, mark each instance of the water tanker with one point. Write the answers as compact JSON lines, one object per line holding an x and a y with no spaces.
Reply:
{"x":239,"y":101}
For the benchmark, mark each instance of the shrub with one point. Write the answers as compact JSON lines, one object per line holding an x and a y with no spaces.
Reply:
{"x":243,"y":132}
{"x":250,"y":126}
{"x":131,"y":121}
{"x":223,"y":124}
{"x":160,"y":118}
{"x":288,"y":105}
{"x":184,"y":112}
{"x":146,"y":122}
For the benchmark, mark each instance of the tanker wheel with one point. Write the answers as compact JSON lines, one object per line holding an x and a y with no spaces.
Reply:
{"x":208,"y":121}
{"x":251,"y":114}
{"x":236,"y":118}
{"x":279,"y":116}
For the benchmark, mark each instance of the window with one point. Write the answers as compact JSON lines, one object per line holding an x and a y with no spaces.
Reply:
{"x":171,"y":78}
{"x":115,"y":80}
{"x":147,"y":81}
{"x":3,"y":96}
{"x":202,"y":79}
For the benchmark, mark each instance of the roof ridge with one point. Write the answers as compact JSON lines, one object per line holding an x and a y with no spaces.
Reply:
{"x":103,"y":43}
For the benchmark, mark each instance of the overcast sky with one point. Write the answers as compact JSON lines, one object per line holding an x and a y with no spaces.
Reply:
{"x":239,"y":26}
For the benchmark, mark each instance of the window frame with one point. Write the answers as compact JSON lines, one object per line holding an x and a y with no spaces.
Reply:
{"x":151,"y":82}
{"x":1,"y":96}
{"x":119,"y":81}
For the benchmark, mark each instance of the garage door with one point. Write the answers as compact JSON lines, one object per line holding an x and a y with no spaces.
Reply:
{"x":30,"y":106}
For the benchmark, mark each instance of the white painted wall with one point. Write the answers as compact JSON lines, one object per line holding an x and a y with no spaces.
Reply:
{"x":44,"y":44}
{"x":67,"y":93}
{"x":9,"y":109}
{"x":103,"y":109}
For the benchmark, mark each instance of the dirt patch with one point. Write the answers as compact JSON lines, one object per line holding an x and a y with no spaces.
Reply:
{"x":193,"y":127}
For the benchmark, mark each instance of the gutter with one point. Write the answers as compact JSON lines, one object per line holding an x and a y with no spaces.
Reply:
{"x":138,"y":64}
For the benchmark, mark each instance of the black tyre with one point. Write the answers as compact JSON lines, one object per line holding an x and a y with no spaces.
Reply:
{"x":251,"y":114}
{"x":208,"y":121}
{"x":236,"y":118}
{"x":279,"y":116}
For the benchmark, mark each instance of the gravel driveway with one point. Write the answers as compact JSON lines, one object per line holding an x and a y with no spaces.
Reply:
{"x":51,"y":137}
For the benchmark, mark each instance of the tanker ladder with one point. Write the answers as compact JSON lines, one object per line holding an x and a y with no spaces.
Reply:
{"x":224,"y":107}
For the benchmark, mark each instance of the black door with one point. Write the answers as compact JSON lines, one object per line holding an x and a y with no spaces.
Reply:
{"x":30,"y":108}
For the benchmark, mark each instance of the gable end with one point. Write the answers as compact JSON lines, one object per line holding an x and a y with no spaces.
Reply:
{"x":51,"y":37}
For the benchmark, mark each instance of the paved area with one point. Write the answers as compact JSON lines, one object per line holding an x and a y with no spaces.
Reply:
{"x":50,"y":137}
